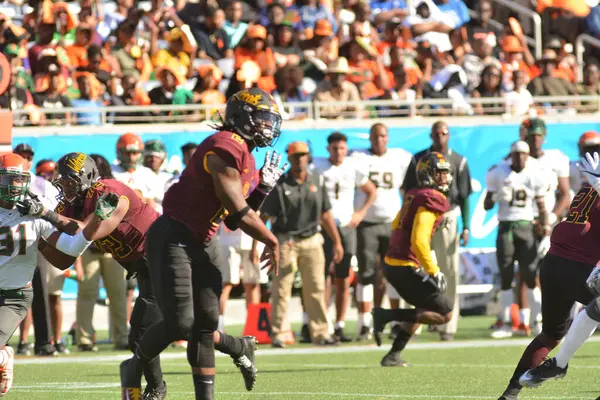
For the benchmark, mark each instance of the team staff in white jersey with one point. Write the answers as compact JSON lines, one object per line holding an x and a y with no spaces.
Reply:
{"x":589,"y":142}
{"x":445,"y":241}
{"x":516,"y":187}
{"x":19,"y":236}
{"x":155,"y":154}
{"x":386,"y":168}
{"x":343,"y":176}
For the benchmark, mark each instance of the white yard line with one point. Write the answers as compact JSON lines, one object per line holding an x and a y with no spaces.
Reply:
{"x":295,"y":351}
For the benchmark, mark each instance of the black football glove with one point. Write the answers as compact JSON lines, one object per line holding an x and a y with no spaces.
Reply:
{"x":31,"y":206}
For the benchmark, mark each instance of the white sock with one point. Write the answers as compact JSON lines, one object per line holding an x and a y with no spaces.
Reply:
{"x":506,"y":300}
{"x":535,"y":303}
{"x":305,"y":318}
{"x":525,"y":314}
{"x":221,"y":325}
{"x":3,"y":356}
{"x":340,"y":324}
{"x":582,"y":328}
{"x":360,"y":322}
{"x":367,"y":319}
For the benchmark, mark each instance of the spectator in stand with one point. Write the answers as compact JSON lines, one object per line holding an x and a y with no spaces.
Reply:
{"x":205,"y":91}
{"x":519,"y":100}
{"x":289,"y":90}
{"x":455,"y":10}
{"x":362,"y":25}
{"x":449,"y":83}
{"x":392,"y":37}
{"x":430,"y":24}
{"x":44,"y":41}
{"x":590,"y":86}
{"x":17,"y":95}
{"x":213,"y":41}
{"x":254,"y":48}
{"x":480,"y":27}
{"x":104,"y":68}
{"x":234,"y":26}
{"x":50,"y":89}
{"x":111,"y":20}
{"x":398,"y":60}
{"x":320,"y":50}
{"x":310,"y":11}
{"x":490,"y":86}
{"x":133,"y":95}
{"x":78,"y":51}
{"x":131,"y":57}
{"x":547,"y":84}
{"x":276,"y":16}
{"x":245,"y":77}
{"x":64,"y":35}
{"x":285,"y":46}
{"x":516,"y":56}
{"x":163,"y":94}
{"x":90,"y":91}
{"x":336,"y":88}
{"x":566,"y":67}
{"x":178,"y":56}
{"x":385,"y":10}
{"x":401,"y":91}
{"x":366,"y":67}
{"x":481,"y":56}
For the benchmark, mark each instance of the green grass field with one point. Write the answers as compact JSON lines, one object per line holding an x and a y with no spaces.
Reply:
{"x":476,"y":369}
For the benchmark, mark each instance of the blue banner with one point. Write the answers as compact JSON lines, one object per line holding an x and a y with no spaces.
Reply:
{"x":483,"y":145}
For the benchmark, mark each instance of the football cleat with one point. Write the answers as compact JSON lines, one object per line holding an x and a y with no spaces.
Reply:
{"x":245,"y":362}
{"x":305,"y":334}
{"x":159,"y":393}
{"x":340,"y":336}
{"x":47,"y":350}
{"x":131,"y":380}
{"x":379,"y":322}
{"x":503,"y":333}
{"x":364,"y":334}
{"x":24,"y":349}
{"x":511,"y":393}
{"x":6,"y":371}
{"x":542,"y":373}
{"x":62,"y":349}
{"x":392,"y":359}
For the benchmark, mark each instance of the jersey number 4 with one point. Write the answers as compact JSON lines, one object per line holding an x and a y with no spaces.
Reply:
{"x":7,"y":241}
{"x":581,"y":205}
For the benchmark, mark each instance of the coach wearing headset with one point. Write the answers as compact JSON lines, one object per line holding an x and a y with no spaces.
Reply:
{"x":298,"y":207}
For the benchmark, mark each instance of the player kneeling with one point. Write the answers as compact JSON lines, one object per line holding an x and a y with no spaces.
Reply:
{"x":409,"y":267}
{"x":18,"y":252}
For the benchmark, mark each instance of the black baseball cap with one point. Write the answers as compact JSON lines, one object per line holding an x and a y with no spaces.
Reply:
{"x":22,"y":148}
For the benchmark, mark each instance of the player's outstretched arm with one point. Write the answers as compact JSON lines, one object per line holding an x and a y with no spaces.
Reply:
{"x":228,"y":188}
{"x":33,"y":207}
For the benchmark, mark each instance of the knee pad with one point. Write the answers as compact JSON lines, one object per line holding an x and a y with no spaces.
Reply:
{"x":181,"y":328}
{"x":201,"y":350}
{"x":208,"y":320}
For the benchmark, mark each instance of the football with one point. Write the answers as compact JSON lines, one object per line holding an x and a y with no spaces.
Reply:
{"x":54,"y":256}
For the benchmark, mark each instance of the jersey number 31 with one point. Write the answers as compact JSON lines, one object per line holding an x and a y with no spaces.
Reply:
{"x":7,"y":241}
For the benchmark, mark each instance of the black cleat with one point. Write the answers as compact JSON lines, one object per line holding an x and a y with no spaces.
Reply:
{"x":364,"y":334}
{"x":24,"y":349}
{"x":340,"y":337}
{"x":131,"y":380}
{"x":330,"y":341}
{"x":305,"y":334}
{"x":91,"y":348}
{"x":379,"y":323}
{"x":511,"y":393}
{"x":278,"y":344}
{"x":542,"y":373}
{"x":159,"y":393}
{"x":47,"y":350}
{"x":61,"y":348}
{"x":245,"y":362}
{"x":392,"y":359}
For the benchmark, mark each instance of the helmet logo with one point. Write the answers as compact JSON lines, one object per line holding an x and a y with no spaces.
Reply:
{"x":423,"y":165}
{"x":77,"y":163}
{"x":251,"y":99}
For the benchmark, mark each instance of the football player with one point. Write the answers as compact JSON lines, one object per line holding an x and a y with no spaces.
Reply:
{"x":343,"y":176}
{"x":589,"y":142}
{"x":573,"y":255}
{"x":409,"y":266}
{"x":124,"y":237}
{"x":517,"y":187}
{"x":586,"y":322}
{"x":386,"y":168}
{"x":18,"y":252}
{"x":218,"y":184}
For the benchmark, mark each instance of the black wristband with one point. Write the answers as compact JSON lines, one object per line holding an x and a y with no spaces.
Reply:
{"x":232,"y":222}
{"x":51,"y":216}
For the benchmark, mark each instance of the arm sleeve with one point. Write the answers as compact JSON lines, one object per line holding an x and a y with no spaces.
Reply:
{"x":420,"y":239}
{"x":72,"y":245}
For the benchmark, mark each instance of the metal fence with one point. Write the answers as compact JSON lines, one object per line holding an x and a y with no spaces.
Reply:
{"x":374,"y":109}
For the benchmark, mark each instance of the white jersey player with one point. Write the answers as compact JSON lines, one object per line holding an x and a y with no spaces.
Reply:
{"x":20,"y":231}
{"x":342,"y":176}
{"x":516,"y":187}
{"x":386,"y":168}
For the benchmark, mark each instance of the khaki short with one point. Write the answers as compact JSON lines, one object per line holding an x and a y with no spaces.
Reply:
{"x":237,"y":264}
{"x":55,"y":278}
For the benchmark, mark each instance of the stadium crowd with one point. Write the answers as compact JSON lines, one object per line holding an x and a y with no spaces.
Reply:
{"x":92,"y":54}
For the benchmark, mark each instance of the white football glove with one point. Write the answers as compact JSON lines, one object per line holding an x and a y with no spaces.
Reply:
{"x":543,"y":247}
{"x":590,"y":166}
{"x":271,"y":172}
{"x":593,"y":281}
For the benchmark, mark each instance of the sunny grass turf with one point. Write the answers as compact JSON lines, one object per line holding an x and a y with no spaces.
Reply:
{"x":471,"y":373}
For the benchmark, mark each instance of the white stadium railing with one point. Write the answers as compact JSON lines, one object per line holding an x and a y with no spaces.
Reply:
{"x":562,"y":106}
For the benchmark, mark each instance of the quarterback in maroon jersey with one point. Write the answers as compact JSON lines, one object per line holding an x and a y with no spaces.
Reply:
{"x":409,"y":267}
{"x":573,"y":255}
{"x":216,"y":186}
{"x":123,"y":235}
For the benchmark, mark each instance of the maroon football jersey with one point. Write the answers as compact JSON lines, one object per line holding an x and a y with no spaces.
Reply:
{"x":400,"y":246}
{"x":192,"y":200}
{"x":577,"y":238}
{"x":126,"y":243}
